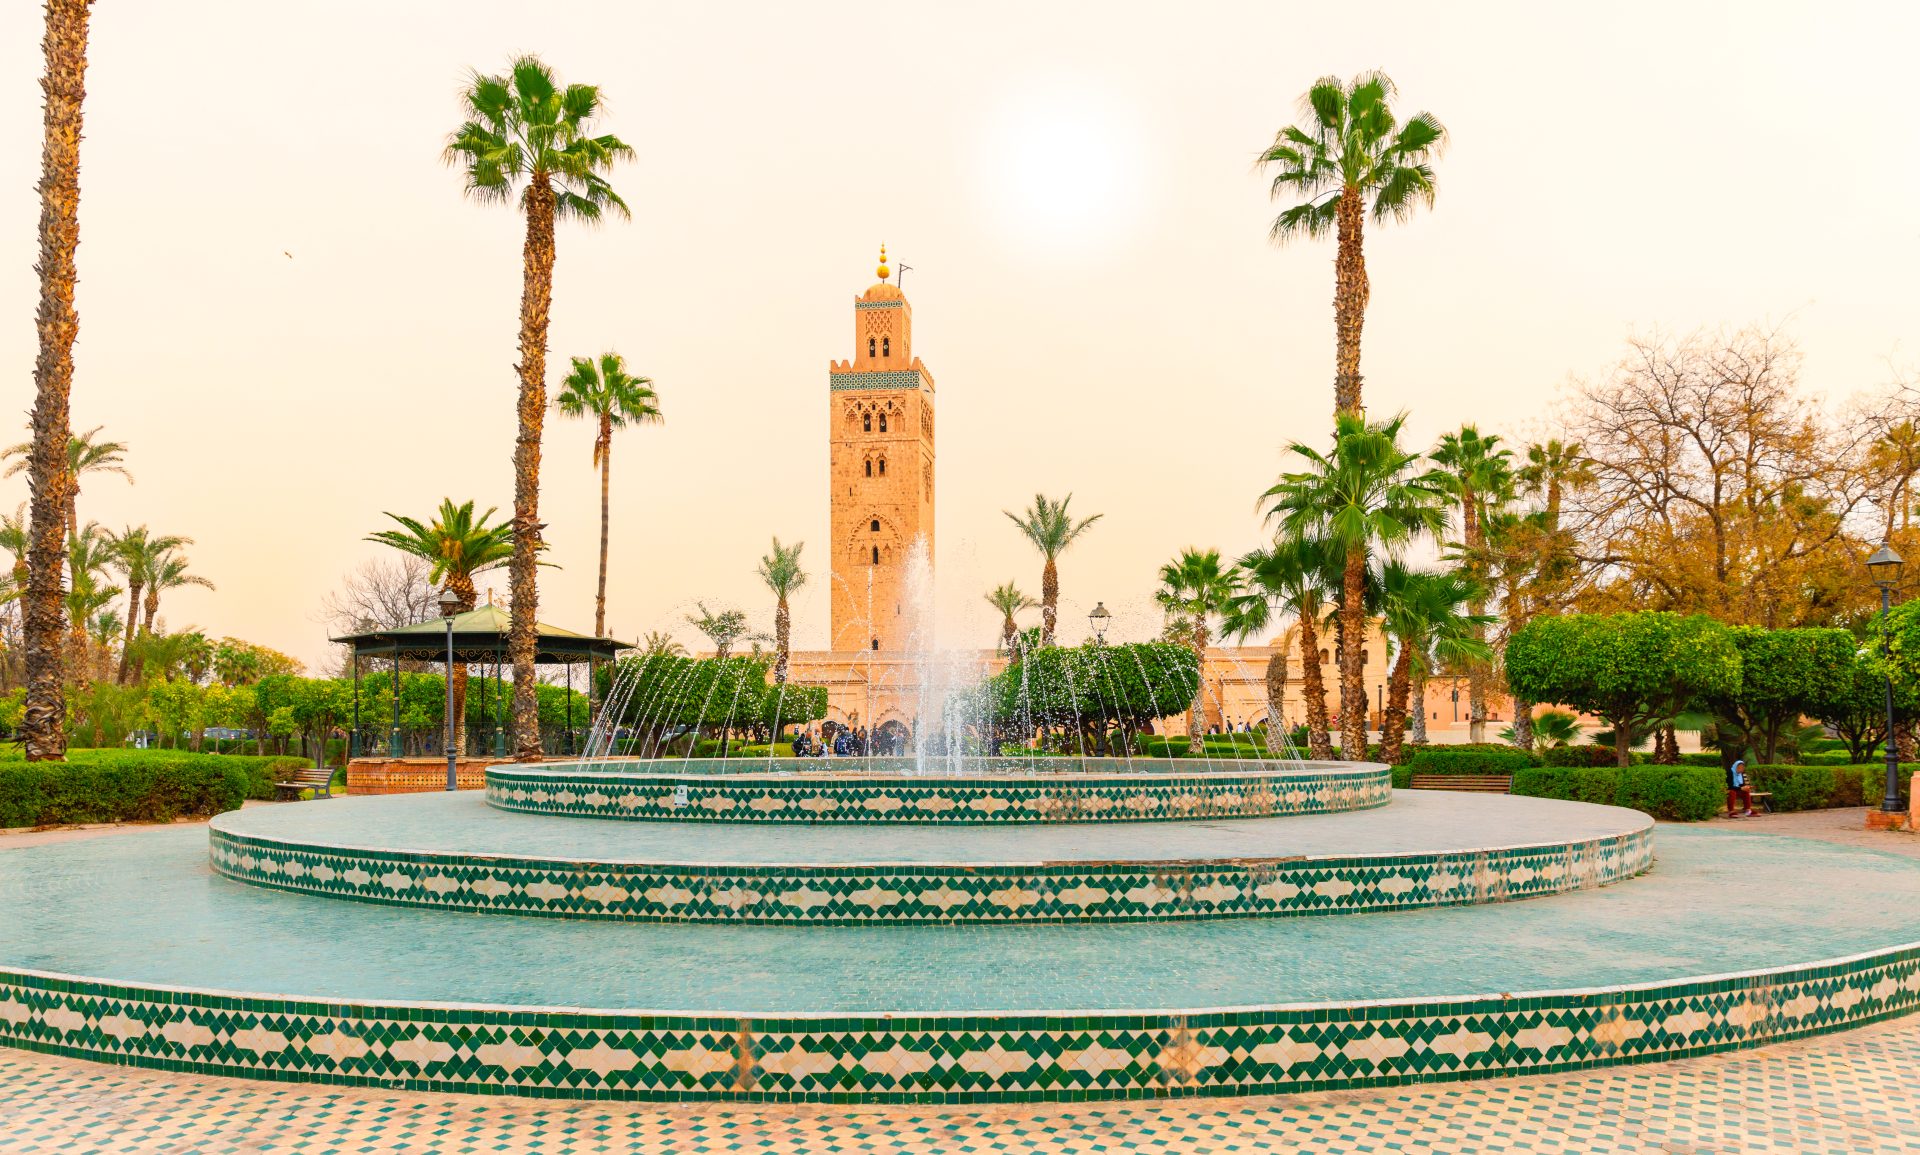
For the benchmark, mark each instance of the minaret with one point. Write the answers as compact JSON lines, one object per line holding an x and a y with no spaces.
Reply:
{"x":880,"y":422}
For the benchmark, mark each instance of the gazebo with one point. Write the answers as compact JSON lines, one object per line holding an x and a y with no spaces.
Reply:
{"x":479,"y":638}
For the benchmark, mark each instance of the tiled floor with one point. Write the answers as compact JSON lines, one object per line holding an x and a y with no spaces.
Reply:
{"x":1849,"y":1093}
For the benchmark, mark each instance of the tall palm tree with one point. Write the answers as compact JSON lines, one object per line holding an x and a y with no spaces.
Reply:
{"x":136,"y":550}
{"x":722,"y":629}
{"x":1427,"y":615}
{"x":1365,"y":498}
{"x":44,"y":716}
{"x":526,"y":134}
{"x":661,"y":642}
{"x":1296,"y":575}
{"x":1479,"y":475}
{"x":1553,"y":467}
{"x":1195,"y":588}
{"x":1525,"y":563}
{"x":1050,"y":529}
{"x":89,"y":555}
{"x":1351,"y":159}
{"x":781,"y":572}
{"x":604,"y":391}
{"x":169,"y":573}
{"x":457,"y":547}
{"x":16,"y":538}
{"x":84,"y":455}
{"x":1007,"y":599}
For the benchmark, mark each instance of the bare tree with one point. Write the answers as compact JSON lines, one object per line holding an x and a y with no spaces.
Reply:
{"x":383,"y":594}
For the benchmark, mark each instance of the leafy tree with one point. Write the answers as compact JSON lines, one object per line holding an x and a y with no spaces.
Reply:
{"x":1364,"y":498}
{"x":1784,"y":674}
{"x":1856,"y":706}
{"x":781,"y":572}
{"x":603,"y":391}
{"x":1194,"y":589}
{"x":1477,"y":473}
{"x":458,"y":547}
{"x":1050,"y":529}
{"x":1008,"y":601}
{"x":1631,"y":669}
{"x":175,"y":707}
{"x":526,"y":134}
{"x":239,"y":663}
{"x":1351,"y":159}
{"x":1085,"y":689}
{"x":1296,"y":575}
{"x":1429,"y":616}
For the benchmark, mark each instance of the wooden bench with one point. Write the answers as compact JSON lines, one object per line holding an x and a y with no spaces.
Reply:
{"x":1762,"y":800}
{"x":318,"y":779}
{"x":1475,"y":783}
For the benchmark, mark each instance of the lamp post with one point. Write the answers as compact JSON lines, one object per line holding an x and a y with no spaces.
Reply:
{"x":1098,"y":619}
{"x":450,"y":605}
{"x":1885,"y":567}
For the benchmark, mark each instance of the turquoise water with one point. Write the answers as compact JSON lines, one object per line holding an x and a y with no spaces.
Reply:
{"x":461,"y":822}
{"x":145,"y":907}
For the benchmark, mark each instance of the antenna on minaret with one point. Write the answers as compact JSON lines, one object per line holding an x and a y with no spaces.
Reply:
{"x":901,"y":280}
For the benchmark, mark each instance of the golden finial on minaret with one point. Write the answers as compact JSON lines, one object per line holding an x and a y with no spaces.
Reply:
{"x":883,"y":272}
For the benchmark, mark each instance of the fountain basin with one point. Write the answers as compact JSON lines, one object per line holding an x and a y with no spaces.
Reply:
{"x":940,"y":791}
{"x":452,"y":852}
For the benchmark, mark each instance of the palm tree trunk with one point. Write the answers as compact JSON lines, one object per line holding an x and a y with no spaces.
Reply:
{"x":1276,"y":700}
{"x":536,"y":300}
{"x":1393,"y":722}
{"x":133,"y":620}
{"x":43,"y":723}
{"x":1353,"y":685}
{"x":1476,"y":539}
{"x":1417,"y":732}
{"x":1195,"y":738}
{"x":1319,"y":744}
{"x":606,"y":480}
{"x":1349,"y":303}
{"x":1009,"y":630}
{"x":782,"y":635}
{"x":1049,"y":601}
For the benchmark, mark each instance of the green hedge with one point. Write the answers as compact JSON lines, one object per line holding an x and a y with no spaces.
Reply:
{"x":1682,"y":793}
{"x":121,"y":786}
{"x":1578,"y":756}
{"x":1454,"y":760}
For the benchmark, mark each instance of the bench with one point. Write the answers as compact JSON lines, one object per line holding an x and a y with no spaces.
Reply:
{"x":318,"y":779}
{"x":1762,"y":800}
{"x":1475,"y":783}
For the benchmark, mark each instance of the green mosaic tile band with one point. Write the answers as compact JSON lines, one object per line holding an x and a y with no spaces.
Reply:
{"x":908,"y":379}
{"x":795,"y":790}
{"x":974,"y":1058}
{"x":900,"y":893}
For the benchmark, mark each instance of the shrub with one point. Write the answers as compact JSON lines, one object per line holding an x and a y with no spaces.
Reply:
{"x":1597,"y":784}
{"x":1828,"y":757}
{"x":121,"y":786}
{"x":1684,"y":793}
{"x":1402,"y":777}
{"x":1454,"y":760}
{"x":1578,"y":756}
{"x":1873,"y":782}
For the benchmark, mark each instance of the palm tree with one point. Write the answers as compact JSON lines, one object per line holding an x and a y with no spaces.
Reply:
{"x":136,"y":549}
{"x":169,"y":573}
{"x":1351,"y":160}
{"x":84,"y":456}
{"x":1364,"y":498}
{"x":1479,"y":475}
{"x":1428,"y":617}
{"x":781,"y":571}
{"x":523,"y":132}
{"x":722,"y":629}
{"x":1194,"y":588}
{"x":16,"y":539}
{"x":1297,"y":576}
{"x":457,"y":547}
{"x":44,"y":715}
{"x":1009,"y":602}
{"x":1553,"y":467}
{"x":1051,"y":530}
{"x":604,"y":391}
{"x":89,"y":554}
{"x":660,"y":642}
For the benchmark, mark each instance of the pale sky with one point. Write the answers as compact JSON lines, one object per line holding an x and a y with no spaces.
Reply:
{"x":1072,"y":184}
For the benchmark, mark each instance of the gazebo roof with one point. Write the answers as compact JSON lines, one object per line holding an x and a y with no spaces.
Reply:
{"x":480,"y":632}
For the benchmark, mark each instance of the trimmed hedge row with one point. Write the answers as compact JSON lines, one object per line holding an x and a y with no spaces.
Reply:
{"x":1456,"y":760}
{"x":1679,"y":793}
{"x":126,"y":786}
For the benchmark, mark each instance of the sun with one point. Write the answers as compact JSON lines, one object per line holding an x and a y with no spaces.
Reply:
{"x":1061,"y":166}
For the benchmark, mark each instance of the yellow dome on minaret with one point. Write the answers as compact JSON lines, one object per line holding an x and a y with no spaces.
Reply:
{"x":883,"y":272}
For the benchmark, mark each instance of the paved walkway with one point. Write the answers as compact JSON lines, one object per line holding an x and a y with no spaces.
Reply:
{"x":1850,"y":1093}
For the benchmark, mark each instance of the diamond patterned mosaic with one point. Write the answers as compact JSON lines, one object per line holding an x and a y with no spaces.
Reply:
{"x":782,"y":796}
{"x":936,"y":893}
{"x":942,"y":1059}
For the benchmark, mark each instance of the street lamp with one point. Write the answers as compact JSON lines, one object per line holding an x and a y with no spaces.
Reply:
{"x":1885,"y":567}
{"x":449,"y":606}
{"x":1098,"y":619}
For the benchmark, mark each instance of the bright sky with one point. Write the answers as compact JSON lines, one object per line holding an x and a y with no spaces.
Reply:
{"x":1092,"y":285}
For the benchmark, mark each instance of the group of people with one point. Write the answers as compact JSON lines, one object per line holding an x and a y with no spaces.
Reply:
{"x":842,"y":742}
